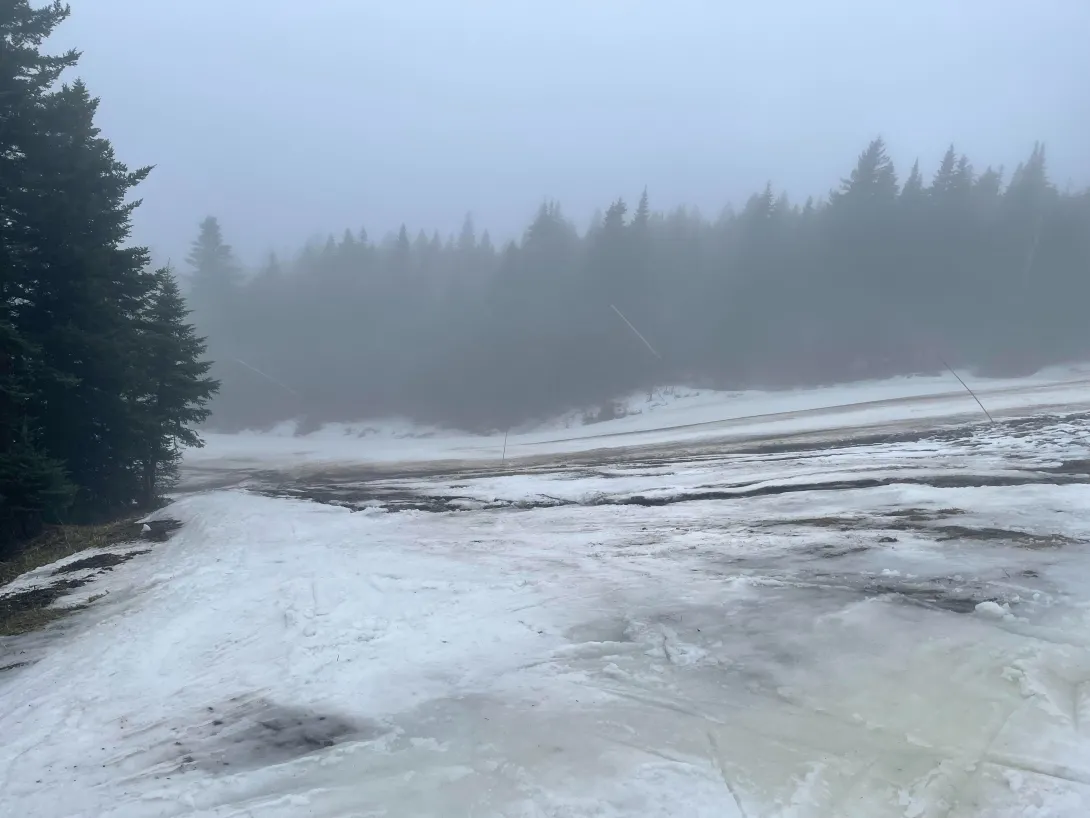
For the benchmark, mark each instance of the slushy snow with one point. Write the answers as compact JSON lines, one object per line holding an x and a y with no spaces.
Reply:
{"x":854,"y":631}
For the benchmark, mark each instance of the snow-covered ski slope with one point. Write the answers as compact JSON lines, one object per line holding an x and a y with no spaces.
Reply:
{"x":665,"y":417}
{"x":803,"y":626}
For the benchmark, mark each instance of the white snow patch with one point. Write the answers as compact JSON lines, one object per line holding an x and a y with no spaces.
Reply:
{"x":768,"y":655}
{"x":685,"y":415}
{"x":991,"y":609}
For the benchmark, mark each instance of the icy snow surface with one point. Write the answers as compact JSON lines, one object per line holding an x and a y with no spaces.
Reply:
{"x":853,"y":629}
{"x":667,"y":416}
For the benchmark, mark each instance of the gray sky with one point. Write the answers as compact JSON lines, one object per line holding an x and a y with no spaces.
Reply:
{"x":288,"y":119}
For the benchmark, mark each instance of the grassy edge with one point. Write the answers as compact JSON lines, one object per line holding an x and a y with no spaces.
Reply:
{"x":53,"y":544}
{"x":60,"y":541}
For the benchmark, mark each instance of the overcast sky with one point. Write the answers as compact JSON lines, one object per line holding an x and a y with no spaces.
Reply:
{"x":289,"y":118}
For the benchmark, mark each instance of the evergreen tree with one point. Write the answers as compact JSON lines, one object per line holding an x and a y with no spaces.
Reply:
{"x":81,"y":315}
{"x":33,"y":487}
{"x":642,"y":216}
{"x":175,"y":388}
{"x":876,"y":280}
{"x":215,"y":281}
{"x":862,"y":246}
{"x":467,"y":238}
{"x":73,"y":295}
{"x":913,"y":186}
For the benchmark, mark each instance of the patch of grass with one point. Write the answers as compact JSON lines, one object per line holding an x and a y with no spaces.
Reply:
{"x":30,"y":610}
{"x":32,"y":619}
{"x":58,"y":542}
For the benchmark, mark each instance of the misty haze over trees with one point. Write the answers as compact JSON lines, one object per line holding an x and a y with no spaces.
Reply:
{"x":103,"y":377}
{"x":893,"y":274}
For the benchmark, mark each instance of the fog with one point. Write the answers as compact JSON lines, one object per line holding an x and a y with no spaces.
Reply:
{"x":766,"y":192}
{"x":608,"y":317}
{"x":291,"y":119}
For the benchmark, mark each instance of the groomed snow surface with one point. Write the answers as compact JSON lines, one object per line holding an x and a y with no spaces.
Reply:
{"x":890,"y":627}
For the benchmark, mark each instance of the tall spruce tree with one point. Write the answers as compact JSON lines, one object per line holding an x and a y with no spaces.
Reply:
{"x":73,"y":286}
{"x":33,"y":487}
{"x":214,"y":282}
{"x":74,"y":300}
{"x":175,"y":389}
{"x":82,"y":308}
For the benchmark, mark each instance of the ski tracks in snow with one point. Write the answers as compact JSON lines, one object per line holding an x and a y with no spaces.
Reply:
{"x":815,"y":654}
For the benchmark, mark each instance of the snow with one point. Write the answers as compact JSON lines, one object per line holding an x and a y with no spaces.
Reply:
{"x":667,"y":416}
{"x":860,"y":630}
{"x":992,"y":609}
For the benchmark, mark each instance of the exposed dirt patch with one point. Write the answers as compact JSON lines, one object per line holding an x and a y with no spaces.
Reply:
{"x":25,"y":611}
{"x":358,"y":498}
{"x":838,"y":523}
{"x":380,"y":495}
{"x":361,"y":487}
{"x":922,"y":520}
{"x":159,"y":530}
{"x":29,"y":610}
{"x":1081,"y":467}
{"x":1024,"y":539}
{"x":105,"y":562}
{"x":951,"y":594}
{"x":934,"y":480}
{"x":829,"y":552}
{"x":58,"y":542}
{"x":834,"y":523}
{"x":940,"y":599}
{"x":937,"y":593}
{"x":247,"y":734}
{"x":666,"y":455}
{"x":918,"y":515}
{"x":904,"y":519}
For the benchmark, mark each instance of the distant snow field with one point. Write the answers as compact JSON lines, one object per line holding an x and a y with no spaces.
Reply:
{"x":666,"y":415}
{"x":841,"y":628}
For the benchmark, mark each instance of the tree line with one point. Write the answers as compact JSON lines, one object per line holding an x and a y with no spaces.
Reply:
{"x":102,"y":377}
{"x":884,"y":276}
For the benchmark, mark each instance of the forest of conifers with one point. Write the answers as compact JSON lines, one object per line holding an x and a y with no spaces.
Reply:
{"x":104,"y":380}
{"x":892,"y":273}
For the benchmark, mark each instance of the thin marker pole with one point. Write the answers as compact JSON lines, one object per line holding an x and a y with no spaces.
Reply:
{"x":967,"y":389}
{"x":645,"y":342}
{"x":264,"y":375}
{"x":503,"y":458}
